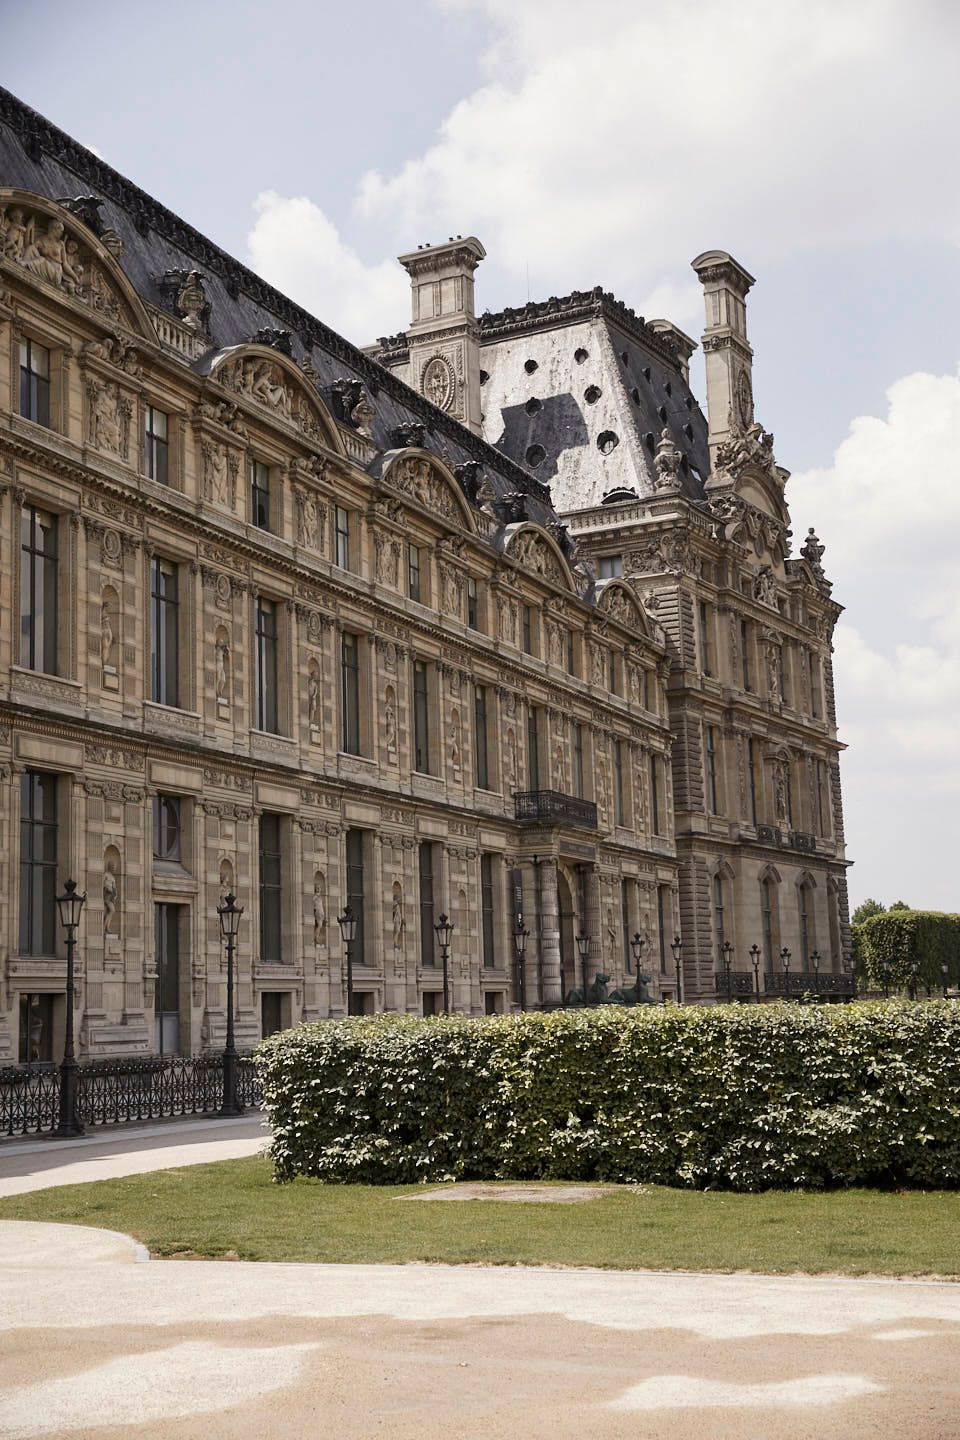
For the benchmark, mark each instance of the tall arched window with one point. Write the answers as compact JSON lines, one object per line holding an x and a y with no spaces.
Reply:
{"x":767,"y":902}
{"x":805,"y":902}
{"x":718,"y":916}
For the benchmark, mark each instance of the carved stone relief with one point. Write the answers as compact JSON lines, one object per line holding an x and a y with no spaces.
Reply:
{"x":320,"y":910}
{"x":311,"y":520}
{"x":313,"y":695}
{"x":390,"y":719}
{"x":534,"y":554}
{"x":399,"y":923}
{"x":111,"y":891}
{"x":109,"y":639}
{"x":220,"y":467}
{"x":415,"y":476}
{"x":42,"y":245}
{"x":454,"y":737}
{"x":108,"y":418}
{"x":221,"y":649}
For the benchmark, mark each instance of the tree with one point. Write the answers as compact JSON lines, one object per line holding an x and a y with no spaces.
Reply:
{"x":866,"y":910}
{"x":899,"y":905}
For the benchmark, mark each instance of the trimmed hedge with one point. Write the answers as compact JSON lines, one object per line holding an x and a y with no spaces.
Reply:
{"x":929,"y":938}
{"x":739,"y":1097}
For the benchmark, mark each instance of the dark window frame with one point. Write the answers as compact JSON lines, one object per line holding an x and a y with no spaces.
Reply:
{"x":34,"y":383}
{"x":266,"y":638}
{"x":270,"y":880}
{"x":260,"y":508}
{"x":165,"y":632}
{"x":349,"y":693}
{"x":39,"y":857}
{"x":156,"y":446}
{"x":39,"y":589}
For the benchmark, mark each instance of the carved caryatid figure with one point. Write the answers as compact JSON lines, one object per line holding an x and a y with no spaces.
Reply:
{"x":780,"y":790}
{"x":47,"y":256}
{"x":313,"y":694}
{"x":390,"y":719}
{"x":222,"y":653}
{"x":108,"y":634}
{"x":453,"y":737}
{"x":111,"y":895}
{"x":319,"y":910}
{"x":226,"y":880}
{"x":104,"y":417}
{"x":309,"y":522}
{"x":510,"y":760}
{"x":774,"y":687}
{"x":399,"y":924}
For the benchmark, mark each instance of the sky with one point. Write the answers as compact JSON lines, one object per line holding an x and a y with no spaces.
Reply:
{"x":608,"y":144}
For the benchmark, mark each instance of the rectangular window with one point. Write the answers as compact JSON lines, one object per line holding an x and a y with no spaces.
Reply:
{"x":473,"y":604}
{"x":487,"y":926}
{"x":752,"y":768}
{"x":259,"y":495}
{"x":38,"y":863}
{"x":745,"y":654}
{"x":706,"y":649}
{"x":413,"y":573}
{"x":613,"y":673}
{"x":625,"y":925}
{"x":646,"y":689}
{"x":619,"y":796}
{"x":526,"y":613}
{"x":34,"y":382}
{"x":355,"y":900}
{"x":341,"y":538}
{"x":571,"y":654}
{"x":156,"y":448}
{"x":421,"y":719}
{"x":663,"y":911}
{"x":266,"y":638}
{"x":610,"y":566}
{"x":36,"y":1029}
{"x":38,"y":590}
{"x":711,"y":738}
{"x":271,"y":892}
{"x":654,"y":795}
{"x":814,"y":685}
{"x":823,"y":798}
{"x":804,"y":901}
{"x":350,"y":695}
{"x":167,"y":827}
{"x":166,"y":1021}
{"x":164,"y":632}
{"x":428,"y":955}
{"x":578,"y":760}
{"x":533,"y":748}
{"x":480,"y":736}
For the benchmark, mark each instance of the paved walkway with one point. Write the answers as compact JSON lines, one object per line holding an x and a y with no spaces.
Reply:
{"x":41,"y":1164}
{"x":95,"y":1336}
{"x":91,"y":1340}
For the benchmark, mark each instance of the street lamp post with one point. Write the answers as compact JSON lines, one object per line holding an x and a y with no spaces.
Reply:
{"x":885,"y":972}
{"x":726,"y":950}
{"x":755,"y":959}
{"x":348,"y":933}
{"x":676,"y":949}
{"x":230,"y":912}
{"x":815,"y":962}
{"x":443,"y":930}
{"x":914,"y":972}
{"x":785,"y":958}
{"x":637,"y":946}
{"x":520,"y":937}
{"x":583,"y":945}
{"x":70,"y":904}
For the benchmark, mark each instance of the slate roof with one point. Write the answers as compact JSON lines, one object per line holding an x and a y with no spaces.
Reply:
{"x":37,"y":156}
{"x":592,"y":386}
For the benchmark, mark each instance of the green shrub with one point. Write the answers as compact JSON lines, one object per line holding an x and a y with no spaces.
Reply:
{"x":927,"y":938}
{"x":748,"y":1098}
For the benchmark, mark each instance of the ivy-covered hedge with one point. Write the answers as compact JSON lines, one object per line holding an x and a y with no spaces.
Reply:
{"x":740,"y":1097}
{"x":927,"y":938}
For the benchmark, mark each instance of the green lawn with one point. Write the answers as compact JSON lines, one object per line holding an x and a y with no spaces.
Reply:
{"x":233,"y":1208}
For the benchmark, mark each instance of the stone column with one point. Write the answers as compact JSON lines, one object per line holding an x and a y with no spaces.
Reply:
{"x":549,"y":932}
{"x":592,"y":922}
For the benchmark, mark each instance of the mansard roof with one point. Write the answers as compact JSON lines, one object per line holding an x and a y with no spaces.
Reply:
{"x":39,"y":158}
{"x":579,"y":389}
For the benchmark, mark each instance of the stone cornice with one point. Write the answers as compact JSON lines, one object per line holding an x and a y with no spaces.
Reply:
{"x":569,"y":310}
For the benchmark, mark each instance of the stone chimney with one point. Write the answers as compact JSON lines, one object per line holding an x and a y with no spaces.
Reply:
{"x":444,"y":336}
{"x":727,"y":354}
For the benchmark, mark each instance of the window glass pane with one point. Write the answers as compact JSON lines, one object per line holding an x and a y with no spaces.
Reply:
{"x":486,"y":912}
{"x":270,"y":890}
{"x":38,"y":863}
{"x":350,"y":694}
{"x":427,"y":938}
{"x":38,"y":590}
{"x":355,"y":898}
{"x":267,"y":666}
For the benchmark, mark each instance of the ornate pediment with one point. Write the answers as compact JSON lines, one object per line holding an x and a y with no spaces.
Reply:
{"x":429,"y":484}
{"x":48,"y":243}
{"x":748,"y":524}
{"x":539,"y":554}
{"x":264,"y":376}
{"x":619,"y":604}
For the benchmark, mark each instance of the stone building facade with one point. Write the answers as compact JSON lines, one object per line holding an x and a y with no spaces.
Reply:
{"x":273,"y":622}
{"x":689,"y":510}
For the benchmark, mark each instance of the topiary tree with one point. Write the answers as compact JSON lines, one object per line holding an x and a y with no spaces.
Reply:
{"x":900,"y":945}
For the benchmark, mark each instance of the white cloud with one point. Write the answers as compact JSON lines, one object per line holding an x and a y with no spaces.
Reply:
{"x":294,"y":246}
{"x":888,"y":509}
{"x":616,"y":142}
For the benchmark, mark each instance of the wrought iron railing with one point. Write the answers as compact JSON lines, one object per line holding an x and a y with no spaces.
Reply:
{"x":550,"y":807}
{"x":814,"y":982}
{"x":736,"y":984}
{"x":114,"y":1091}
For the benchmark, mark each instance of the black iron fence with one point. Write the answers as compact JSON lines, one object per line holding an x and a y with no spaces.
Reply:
{"x":741,"y":984}
{"x":114,"y":1091}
